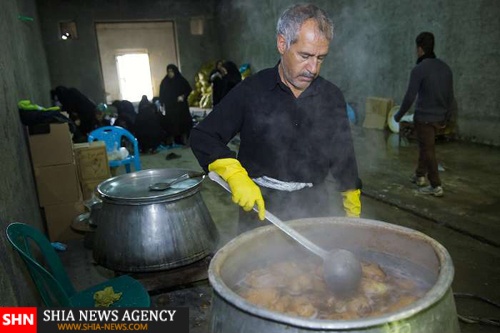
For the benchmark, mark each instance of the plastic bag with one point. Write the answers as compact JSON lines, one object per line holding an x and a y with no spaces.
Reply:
{"x":118,"y":154}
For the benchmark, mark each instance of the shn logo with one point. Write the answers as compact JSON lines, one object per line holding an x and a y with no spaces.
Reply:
{"x":17,"y":319}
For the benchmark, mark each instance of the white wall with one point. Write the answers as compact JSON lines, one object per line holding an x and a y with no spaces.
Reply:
{"x":158,"y":38}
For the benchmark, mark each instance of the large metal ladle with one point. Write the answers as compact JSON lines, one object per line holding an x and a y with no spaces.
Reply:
{"x":341,"y":268}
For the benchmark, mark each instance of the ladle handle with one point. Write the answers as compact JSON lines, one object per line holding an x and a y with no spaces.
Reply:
{"x":166,"y":186}
{"x":277,"y":222}
{"x":182,"y":178}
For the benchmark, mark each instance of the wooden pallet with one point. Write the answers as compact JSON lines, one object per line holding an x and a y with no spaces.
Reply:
{"x":175,"y":277}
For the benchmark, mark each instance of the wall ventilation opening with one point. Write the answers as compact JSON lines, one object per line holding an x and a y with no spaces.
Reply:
{"x":197,"y":25}
{"x":67,"y":30}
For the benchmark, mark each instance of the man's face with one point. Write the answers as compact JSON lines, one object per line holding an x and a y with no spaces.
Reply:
{"x":171,"y":73}
{"x":420,"y":51}
{"x":302,"y":61}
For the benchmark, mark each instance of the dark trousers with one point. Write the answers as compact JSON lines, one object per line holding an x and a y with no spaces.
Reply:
{"x":308,"y":202}
{"x":427,"y":162}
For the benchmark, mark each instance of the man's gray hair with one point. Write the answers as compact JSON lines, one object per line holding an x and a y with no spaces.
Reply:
{"x":293,"y":17}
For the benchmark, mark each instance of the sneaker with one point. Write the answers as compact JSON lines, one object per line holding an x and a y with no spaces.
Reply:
{"x":420,"y":181}
{"x":435,"y":191}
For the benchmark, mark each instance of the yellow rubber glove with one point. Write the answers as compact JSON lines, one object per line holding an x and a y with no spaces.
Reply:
{"x":245,"y":192}
{"x":352,"y":204}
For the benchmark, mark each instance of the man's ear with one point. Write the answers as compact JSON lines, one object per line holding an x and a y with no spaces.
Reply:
{"x":281,"y":43}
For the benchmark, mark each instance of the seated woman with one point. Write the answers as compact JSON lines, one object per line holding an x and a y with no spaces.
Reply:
{"x":126,"y":114}
{"x":78,"y":135}
{"x":148,"y":130}
{"x":99,"y":119}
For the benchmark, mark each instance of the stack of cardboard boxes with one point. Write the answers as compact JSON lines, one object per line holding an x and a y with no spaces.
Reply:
{"x":377,"y":109}
{"x":59,"y":192}
{"x":57,"y":177}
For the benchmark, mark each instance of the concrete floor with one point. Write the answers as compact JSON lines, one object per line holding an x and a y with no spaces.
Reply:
{"x":465,"y":220}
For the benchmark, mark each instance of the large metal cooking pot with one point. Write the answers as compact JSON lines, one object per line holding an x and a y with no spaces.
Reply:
{"x":391,"y":246}
{"x":139,"y":230}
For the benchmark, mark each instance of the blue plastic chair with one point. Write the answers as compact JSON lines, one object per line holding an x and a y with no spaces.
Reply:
{"x":112,"y":136}
{"x":51,"y":279}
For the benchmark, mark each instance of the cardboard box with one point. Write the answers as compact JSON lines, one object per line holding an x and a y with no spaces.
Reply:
{"x":59,"y":219}
{"x":376,"y":112}
{"x":57,"y":184}
{"x":92,"y":161}
{"x":89,"y":187}
{"x":54,"y":148}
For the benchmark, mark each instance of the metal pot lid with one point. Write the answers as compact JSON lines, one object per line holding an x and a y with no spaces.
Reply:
{"x":134,"y":187}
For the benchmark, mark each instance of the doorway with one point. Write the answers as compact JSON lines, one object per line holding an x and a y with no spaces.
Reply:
{"x":134,"y":76}
{"x":134,"y":57}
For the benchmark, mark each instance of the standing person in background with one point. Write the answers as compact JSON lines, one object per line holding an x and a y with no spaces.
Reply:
{"x":231,"y":78}
{"x":224,"y":78}
{"x":432,"y":80}
{"x":217,"y":83}
{"x":174,"y":91}
{"x":293,"y":127}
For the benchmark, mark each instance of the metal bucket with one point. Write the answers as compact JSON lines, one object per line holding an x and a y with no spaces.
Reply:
{"x":384,"y":243}
{"x":142,"y":231}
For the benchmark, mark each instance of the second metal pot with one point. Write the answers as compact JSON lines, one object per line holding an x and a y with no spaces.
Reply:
{"x":142,"y":231}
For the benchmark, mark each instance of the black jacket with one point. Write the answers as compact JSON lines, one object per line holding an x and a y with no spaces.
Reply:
{"x":283,"y":137}
{"x":432,"y":80}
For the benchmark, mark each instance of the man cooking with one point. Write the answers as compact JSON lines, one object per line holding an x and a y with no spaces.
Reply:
{"x":293,"y":127}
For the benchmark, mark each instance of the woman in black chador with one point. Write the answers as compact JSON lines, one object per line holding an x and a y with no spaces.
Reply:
{"x":126,"y":115}
{"x":224,"y":77}
{"x":174,"y":92}
{"x":217,"y":82}
{"x":231,"y":78}
{"x":147,"y":128}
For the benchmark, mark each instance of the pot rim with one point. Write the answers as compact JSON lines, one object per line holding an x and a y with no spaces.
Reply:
{"x":437,"y":291}
{"x":149,"y":199}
